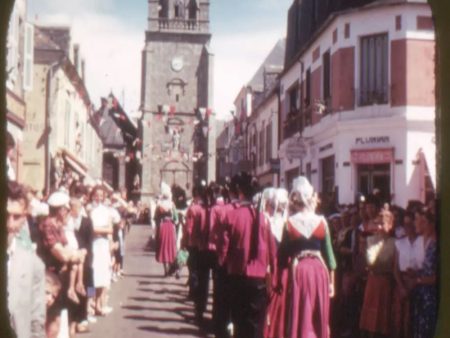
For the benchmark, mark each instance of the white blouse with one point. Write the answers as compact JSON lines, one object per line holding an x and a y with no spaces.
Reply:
{"x":410,"y":255}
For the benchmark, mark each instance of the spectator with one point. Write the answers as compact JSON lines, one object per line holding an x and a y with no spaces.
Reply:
{"x":424,"y":293}
{"x":26,"y":272}
{"x":59,"y":258}
{"x":10,"y":145}
{"x":409,"y":257}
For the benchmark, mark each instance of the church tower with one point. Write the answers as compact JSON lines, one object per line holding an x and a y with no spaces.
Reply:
{"x":178,"y":125}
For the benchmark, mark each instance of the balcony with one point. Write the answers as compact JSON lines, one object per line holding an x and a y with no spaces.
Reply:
{"x":292,"y":124}
{"x":369,"y":97}
{"x":164,"y":24}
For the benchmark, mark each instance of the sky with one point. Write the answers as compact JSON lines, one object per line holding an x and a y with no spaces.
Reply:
{"x":111,"y":34}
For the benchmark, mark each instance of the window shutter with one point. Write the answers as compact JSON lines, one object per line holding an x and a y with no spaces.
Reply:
{"x":13,"y":38}
{"x":28,"y":57}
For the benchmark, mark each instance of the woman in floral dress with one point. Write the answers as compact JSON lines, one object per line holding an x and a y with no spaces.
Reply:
{"x":424,"y":294}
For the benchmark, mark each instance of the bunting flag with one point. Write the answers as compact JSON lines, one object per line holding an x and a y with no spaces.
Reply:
{"x":172,"y":110}
{"x":208,"y":112}
{"x":202,"y":113}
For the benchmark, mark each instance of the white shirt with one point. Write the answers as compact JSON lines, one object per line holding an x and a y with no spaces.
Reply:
{"x":410,"y":255}
{"x":69,"y":231}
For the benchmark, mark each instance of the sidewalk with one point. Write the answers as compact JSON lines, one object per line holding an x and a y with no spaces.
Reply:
{"x":145,"y":303}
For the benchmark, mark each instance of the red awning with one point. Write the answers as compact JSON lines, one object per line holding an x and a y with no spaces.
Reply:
{"x":372,"y":156}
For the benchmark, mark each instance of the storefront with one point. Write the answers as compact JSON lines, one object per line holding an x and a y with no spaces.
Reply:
{"x":373,"y":171}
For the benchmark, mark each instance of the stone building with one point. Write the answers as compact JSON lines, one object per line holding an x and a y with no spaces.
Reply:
{"x":60,"y":144}
{"x":178,"y":124}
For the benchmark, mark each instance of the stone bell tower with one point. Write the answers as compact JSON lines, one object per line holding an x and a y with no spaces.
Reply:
{"x":178,"y":125}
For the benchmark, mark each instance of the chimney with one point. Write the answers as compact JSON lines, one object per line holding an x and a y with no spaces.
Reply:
{"x":76,"y":55}
{"x":83,"y":74}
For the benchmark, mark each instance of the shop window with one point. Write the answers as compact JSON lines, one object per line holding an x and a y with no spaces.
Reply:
{"x":375,"y":177}
{"x":374,"y":70}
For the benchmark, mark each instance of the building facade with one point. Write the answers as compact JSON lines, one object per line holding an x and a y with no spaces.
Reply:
{"x":60,"y":143}
{"x":19,"y":70}
{"x":121,"y":147}
{"x":178,"y":123}
{"x":357,"y":100}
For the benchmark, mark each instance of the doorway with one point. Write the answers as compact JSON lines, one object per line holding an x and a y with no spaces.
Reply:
{"x":375,"y":176}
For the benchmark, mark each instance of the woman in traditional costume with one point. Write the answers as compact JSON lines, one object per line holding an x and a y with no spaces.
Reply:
{"x":165,"y":219}
{"x":306,"y":249}
{"x":275,"y":324}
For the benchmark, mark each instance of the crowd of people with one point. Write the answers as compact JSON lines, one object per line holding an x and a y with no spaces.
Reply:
{"x":64,"y":251}
{"x":283,"y":266}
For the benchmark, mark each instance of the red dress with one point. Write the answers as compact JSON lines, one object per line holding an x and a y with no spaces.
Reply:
{"x":166,"y":237}
{"x":308,"y":300}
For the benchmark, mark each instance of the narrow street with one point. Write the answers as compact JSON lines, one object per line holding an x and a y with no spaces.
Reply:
{"x":145,"y":304}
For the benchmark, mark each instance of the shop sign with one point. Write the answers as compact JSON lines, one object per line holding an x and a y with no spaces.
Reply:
{"x":296,"y":148}
{"x":372,"y":156}
{"x":372,"y":140}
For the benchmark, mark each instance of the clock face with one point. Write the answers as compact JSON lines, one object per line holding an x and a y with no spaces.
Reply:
{"x":177,"y":63}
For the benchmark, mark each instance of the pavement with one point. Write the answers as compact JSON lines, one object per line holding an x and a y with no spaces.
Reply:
{"x":144,"y":302}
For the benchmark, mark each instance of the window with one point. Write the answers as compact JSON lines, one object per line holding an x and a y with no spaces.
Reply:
{"x":28,"y":57}
{"x":374,"y":70}
{"x":193,"y":8}
{"x":163,"y":9}
{"x":179,"y":9}
{"x":293,"y":99}
{"x":308,"y":110}
{"x":328,"y":174}
{"x":261,"y":147}
{"x":308,"y":87}
{"x":68,"y":125}
{"x":326,"y":90}
{"x":268,"y":142}
{"x":12,"y":46}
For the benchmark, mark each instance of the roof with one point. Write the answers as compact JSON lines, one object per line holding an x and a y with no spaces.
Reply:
{"x":274,"y":60}
{"x":43,"y":41}
{"x":115,"y":127}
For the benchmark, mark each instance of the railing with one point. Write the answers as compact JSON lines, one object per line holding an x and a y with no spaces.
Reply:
{"x":368,"y":97}
{"x":181,"y":24}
